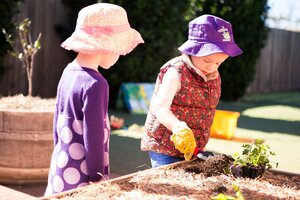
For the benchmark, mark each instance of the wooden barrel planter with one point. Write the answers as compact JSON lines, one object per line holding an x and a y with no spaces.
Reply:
{"x":26,"y":144}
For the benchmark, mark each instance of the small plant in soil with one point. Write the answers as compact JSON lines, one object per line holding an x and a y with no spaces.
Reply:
{"x":222,"y":196}
{"x":253,"y":161}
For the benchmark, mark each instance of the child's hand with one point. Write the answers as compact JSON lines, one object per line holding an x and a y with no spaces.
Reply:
{"x":184,"y":141}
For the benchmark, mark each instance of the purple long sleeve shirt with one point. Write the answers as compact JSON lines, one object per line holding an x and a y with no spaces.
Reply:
{"x":81,"y":130}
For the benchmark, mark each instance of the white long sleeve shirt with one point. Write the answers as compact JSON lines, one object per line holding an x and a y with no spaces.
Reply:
{"x":170,"y":85}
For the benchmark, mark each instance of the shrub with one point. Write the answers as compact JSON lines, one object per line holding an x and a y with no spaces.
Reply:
{"x":72,"y":9}
{"x":161,"y":24}
{"x":164,"y":26}
{"x":8,"y":8}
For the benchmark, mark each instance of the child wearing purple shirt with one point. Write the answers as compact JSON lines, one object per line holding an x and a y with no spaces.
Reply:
{"x":81,"y":126}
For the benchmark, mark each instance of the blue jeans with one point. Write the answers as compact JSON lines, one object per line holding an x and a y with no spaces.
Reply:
{"x":159,"y":159}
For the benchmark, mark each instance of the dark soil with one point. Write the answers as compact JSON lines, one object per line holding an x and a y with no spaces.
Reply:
{"x":213,"y":166}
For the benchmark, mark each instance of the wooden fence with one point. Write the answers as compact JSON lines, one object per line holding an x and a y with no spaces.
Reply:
{"x":277,"y":69}
{"x":50,"y":60}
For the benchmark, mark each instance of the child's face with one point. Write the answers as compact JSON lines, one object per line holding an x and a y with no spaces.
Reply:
{"x":210,"y":63}
{"x":108,"y":60}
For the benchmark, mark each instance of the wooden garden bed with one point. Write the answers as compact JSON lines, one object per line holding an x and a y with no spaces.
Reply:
{"x":195,"y":179}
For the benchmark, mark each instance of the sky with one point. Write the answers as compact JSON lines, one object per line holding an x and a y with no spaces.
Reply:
{"x":284,"y":14}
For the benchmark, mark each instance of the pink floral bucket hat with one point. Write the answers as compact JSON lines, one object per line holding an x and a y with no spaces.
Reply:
{"x":103,"y":28}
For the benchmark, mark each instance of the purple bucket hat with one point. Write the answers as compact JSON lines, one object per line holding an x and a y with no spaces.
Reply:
{"x":209,"y":34}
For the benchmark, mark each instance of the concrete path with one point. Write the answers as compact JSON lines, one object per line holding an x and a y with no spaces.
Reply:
{"x":26,"y":192}
{"x":10,"y":194}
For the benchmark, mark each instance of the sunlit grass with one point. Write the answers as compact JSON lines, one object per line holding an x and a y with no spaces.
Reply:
{"x":278,"y":112}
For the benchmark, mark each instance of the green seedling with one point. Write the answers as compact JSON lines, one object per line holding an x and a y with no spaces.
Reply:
{"x":222,"y":196}
{"x":255,"y":154}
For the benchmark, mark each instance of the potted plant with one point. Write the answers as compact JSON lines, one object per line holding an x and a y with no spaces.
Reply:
{"x":25,"y":121}
{"x":253,"y":161}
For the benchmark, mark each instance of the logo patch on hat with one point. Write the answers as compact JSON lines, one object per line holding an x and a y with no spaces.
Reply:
{"x":225,"y":34}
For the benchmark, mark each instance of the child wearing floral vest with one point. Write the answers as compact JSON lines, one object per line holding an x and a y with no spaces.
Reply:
{"x":187,"y":91}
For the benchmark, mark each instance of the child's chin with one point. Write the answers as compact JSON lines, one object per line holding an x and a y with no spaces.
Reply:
{"x":105,"y":67}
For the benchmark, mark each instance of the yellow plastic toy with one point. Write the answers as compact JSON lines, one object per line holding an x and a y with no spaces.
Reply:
{"x":224,"y":124}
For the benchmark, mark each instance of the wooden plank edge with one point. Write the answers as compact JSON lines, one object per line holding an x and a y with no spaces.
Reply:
{"x":114,"y":180}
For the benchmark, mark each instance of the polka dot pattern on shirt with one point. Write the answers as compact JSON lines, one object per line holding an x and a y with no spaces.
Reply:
{"x":106,"y":136}
{"x":73,"y":135}
{"x":62,"y":159}
{"x":76,"y":151}
{"x":82,"y":184}
{"x":66,"y":135}
{"x":83,"y":167}
{"x":71,"y":175}
{"x":106,"y":159}
{"x":77,"y":126}
{"x":60,"y":121}
{"x":58,"y":184}
{"x":66,"y":151}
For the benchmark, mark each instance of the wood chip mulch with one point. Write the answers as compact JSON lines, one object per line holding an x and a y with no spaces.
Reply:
{"x":191,"y":180}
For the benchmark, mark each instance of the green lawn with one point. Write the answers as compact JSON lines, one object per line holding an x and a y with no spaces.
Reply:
{"x":272,"y":117}
{"x":275,"y":118}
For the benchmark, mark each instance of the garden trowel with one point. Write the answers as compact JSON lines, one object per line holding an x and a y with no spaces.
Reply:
{"x":203,"y":155}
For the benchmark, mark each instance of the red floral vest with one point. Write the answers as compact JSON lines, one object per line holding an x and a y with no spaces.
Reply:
{"x":194,"y":104}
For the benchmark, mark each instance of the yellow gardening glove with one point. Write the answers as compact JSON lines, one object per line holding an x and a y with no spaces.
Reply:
{"x":184,"y":140}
